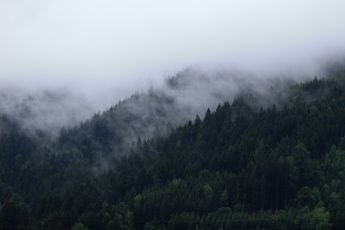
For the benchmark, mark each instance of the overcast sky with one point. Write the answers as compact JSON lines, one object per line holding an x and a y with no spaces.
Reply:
{"x":96,"y":44}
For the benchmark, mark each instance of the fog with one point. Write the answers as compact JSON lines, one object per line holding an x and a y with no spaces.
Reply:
{"x":104,"y":50}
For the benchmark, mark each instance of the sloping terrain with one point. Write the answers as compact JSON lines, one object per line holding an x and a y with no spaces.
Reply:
{"x":249,"y":164}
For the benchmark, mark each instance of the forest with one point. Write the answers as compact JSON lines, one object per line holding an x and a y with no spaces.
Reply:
{"x":243,"y":165}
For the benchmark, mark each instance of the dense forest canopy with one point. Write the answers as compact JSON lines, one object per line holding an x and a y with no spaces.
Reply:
{"x":251,"y":163}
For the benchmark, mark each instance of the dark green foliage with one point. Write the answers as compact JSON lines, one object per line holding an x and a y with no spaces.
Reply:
{"x":241,"y":167}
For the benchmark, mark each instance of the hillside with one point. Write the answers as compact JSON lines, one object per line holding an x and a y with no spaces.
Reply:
{"x":249,"y":164}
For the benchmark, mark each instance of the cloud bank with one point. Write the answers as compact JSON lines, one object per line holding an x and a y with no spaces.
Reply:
{"x":108,"y":49}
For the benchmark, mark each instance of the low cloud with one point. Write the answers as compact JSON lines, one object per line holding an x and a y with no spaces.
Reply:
{"x":104,"y":51}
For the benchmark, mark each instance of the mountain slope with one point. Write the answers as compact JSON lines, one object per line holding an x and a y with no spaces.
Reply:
{"x":242,"y":166}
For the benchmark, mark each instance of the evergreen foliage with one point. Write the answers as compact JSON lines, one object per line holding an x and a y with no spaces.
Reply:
{"x":240,"y":167}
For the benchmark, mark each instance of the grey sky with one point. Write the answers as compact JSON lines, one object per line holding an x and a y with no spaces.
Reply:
{"x":123,"y":44}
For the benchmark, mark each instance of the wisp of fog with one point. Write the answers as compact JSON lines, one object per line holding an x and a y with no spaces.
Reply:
{"x":98,"y":52}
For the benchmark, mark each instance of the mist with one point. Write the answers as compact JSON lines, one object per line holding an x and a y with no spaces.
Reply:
{"x":100,"y":52}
